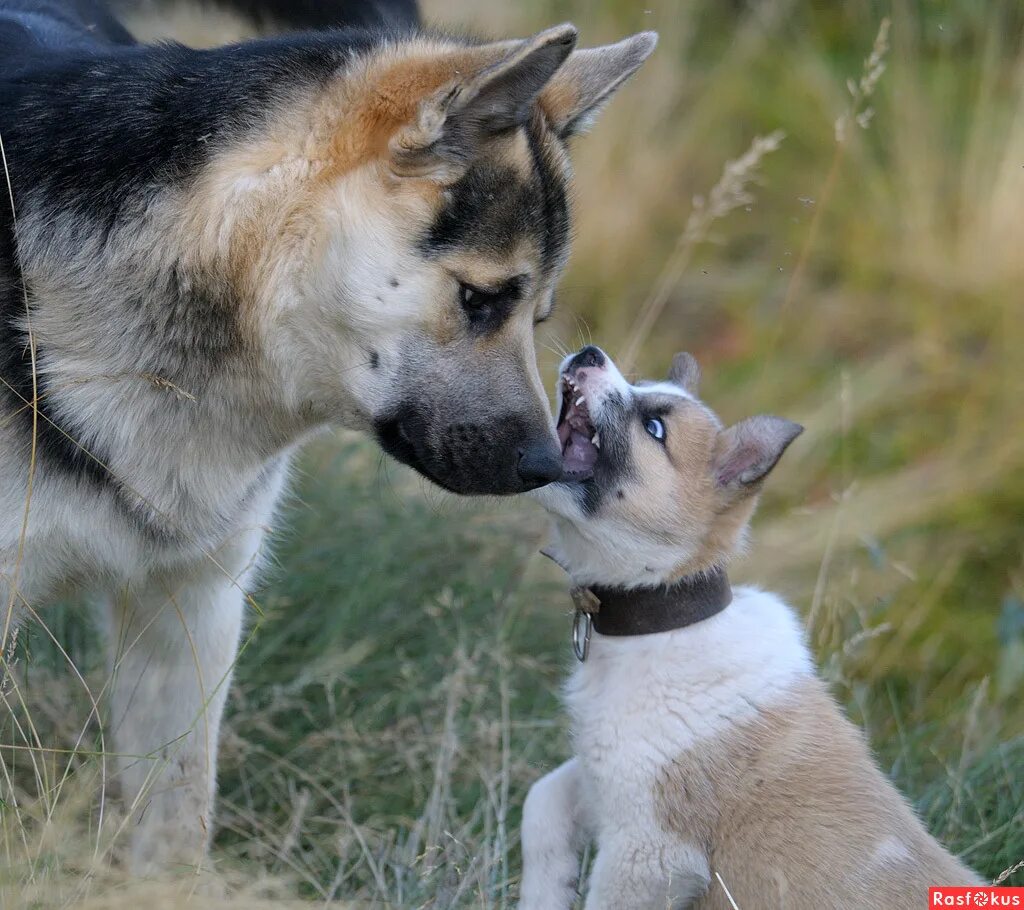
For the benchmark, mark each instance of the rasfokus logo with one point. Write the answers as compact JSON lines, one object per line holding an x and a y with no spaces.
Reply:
{"x":983,"y":896}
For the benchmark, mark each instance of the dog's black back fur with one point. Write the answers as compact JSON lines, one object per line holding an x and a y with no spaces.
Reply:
{"x":87,"y":113}
{"x":95,"y":123}
{"x":55,"y":26}
{"x":315,"y":14}
{"x":318,"y":14}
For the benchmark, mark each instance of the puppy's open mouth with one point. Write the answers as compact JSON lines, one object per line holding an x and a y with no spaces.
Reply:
{"x":580,"y":440}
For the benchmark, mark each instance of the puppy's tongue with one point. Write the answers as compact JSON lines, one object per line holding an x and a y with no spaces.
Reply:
{"x":576,"y":433}
{"x":579,"y":455}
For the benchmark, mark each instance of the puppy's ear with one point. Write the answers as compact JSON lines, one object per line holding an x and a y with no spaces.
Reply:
{"x":748,"y":451}
{"x":493,"y":89}
{"x":578,"y":91}
{"x":685,"y":372}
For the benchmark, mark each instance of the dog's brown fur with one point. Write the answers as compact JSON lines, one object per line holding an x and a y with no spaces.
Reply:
{"x":764,"y":803}
{"x":256,"y":203}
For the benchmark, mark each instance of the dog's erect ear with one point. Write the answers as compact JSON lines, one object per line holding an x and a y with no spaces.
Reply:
{"x":492,"y":93}
{"x":749,"y":450}
{"x":685,"y":372}
{"x":576,"y":93}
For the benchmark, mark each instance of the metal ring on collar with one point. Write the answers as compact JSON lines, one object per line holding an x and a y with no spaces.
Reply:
{"x":582,"y":626}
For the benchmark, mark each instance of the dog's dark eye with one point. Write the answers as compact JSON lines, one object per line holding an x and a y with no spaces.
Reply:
{"x":475,"y":299}
{"x":488,"y":308}
{"x":655,"y":426}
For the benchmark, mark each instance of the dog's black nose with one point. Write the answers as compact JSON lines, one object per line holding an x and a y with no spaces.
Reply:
{"x":539,"y":464}
{"x":590,"y":356}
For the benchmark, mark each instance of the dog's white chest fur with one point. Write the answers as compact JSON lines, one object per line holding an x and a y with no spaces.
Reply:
{"x":638,"y":702}
{"x":715,"y":749}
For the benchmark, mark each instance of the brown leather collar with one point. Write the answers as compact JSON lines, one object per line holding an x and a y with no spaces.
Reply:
{"x":645,"y":611}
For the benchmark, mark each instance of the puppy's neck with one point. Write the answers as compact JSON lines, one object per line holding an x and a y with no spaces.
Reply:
{"x":593,"y":558}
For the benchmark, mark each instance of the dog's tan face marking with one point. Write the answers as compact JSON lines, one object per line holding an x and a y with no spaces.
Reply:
{"x":650,"y":471}
{"x":515,"y":276}
{"x":477,"y":264}
{"x":674,"y":495}
{"x":393,"y":237}
{"x":669,"y":490}
{"x":257,"y":201}
{"x":671,"y":494}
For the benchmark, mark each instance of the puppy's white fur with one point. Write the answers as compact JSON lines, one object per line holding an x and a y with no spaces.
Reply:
{"x":635,"y":704}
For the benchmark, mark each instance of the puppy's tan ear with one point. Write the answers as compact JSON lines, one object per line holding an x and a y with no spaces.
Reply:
{"x":685,"y":372}
{"x":578,"y":91}
{"x":748,"y":451}
{"x":492,"y":90}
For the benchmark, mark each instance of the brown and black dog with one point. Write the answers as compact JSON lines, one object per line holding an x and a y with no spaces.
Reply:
{"x":214,"y":253}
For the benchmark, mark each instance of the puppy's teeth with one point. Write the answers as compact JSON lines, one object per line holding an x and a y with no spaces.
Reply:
{"x":580,"y":401}
{"x":596,"y":440}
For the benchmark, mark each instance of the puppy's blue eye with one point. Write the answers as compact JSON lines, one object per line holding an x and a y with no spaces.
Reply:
{"x":656,"y":427}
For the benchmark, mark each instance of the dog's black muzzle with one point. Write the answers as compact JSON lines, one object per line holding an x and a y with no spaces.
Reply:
{"x":502,"y":456}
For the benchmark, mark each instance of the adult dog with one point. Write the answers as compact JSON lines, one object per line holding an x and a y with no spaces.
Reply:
{"x":210,"y":254}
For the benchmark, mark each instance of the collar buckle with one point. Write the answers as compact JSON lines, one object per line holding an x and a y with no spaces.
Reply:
{"x":582,"y":627}
{"x":583,"y":621}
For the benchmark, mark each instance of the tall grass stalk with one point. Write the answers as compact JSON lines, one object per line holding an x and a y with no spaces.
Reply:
{"x":732,"y":191}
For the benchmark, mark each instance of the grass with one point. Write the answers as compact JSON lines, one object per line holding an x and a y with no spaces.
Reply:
{"x":399,"y":693}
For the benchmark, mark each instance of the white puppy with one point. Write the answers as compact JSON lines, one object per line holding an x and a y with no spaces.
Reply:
{"x":706,"y":745}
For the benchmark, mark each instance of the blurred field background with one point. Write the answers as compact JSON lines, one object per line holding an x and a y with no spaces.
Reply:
{"x":398,"y":694}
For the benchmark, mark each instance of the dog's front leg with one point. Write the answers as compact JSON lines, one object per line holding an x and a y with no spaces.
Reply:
{"x":552,"y":836}
{"x":637,"y":870}
{"x":174,"y":641}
